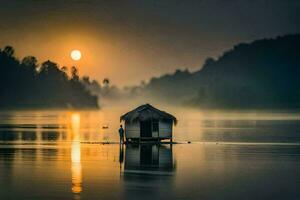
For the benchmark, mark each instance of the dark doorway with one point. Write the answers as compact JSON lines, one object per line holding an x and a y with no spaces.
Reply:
{"x":146,"y":128}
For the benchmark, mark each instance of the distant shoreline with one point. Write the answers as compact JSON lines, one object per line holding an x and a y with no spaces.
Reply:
{"x":50,"y":109}
{"x":51,"y":144}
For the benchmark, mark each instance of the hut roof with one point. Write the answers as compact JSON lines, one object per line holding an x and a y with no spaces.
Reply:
{"x":147,"y":112}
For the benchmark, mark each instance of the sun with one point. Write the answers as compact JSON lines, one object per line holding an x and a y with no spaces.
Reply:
{"x":76,"y":55}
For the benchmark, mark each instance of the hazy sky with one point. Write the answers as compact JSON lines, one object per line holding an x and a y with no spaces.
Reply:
{"x":130,"y":41}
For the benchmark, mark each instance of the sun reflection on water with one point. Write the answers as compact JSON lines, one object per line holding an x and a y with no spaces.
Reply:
{"x":76,"y":154}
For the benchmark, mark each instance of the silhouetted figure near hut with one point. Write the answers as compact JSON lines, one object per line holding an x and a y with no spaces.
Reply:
{"x":121,"y":134}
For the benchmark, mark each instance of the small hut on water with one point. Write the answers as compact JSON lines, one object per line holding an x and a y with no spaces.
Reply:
{"x":148,"y":123}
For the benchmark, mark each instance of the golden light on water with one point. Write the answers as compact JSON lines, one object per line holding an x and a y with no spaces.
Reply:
{"x":76,"y":154}
{"x":76,"y":178}
{"x":75,"y":127}
{"x":76,"y":55}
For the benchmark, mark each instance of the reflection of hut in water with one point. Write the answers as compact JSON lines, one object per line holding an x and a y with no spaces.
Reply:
{"x":148,"y":169}
{"x":148,"y":123}
{"x":149,"y":159}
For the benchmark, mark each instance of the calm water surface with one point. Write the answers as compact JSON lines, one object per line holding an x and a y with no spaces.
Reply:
{"x":233,"y":155}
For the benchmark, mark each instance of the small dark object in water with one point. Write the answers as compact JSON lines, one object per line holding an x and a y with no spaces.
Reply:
{"x":189,"y":142}
{"x":104,"y":127}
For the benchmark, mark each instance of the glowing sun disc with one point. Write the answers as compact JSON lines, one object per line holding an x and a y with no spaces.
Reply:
{"x":76,"y":55}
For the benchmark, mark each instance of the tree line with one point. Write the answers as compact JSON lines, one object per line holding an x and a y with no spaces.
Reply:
{"x":260,"y":74}
{"x":27,"y":84}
